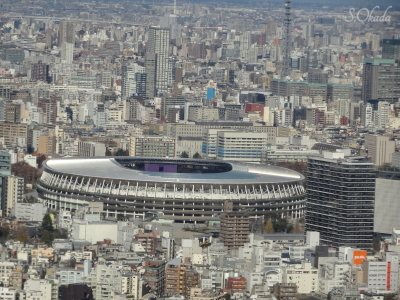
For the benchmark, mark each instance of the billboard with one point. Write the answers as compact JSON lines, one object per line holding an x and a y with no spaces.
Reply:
{"x":359,"y":256}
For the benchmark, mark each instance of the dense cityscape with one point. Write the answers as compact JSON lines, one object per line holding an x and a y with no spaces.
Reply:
{"x":199,"y":150}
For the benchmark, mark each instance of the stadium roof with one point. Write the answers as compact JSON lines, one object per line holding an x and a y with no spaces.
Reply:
{"x":110,"y":168}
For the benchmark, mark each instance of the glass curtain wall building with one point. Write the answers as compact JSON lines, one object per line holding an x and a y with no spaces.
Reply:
{"x":340,"y":200}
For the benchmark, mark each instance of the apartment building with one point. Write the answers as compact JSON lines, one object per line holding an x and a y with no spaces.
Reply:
{"x":180,"y":277}
{"x":303,"y":275}
{"x":154,"y":276}
{"x":47,"y":144}
{"x":235,"y":227}
{"x":91,"y":149}
{"x":12,"y":191}
{"x":10,"y":131}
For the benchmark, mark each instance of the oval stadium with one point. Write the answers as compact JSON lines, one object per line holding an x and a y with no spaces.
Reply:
{"x":183,"y":190}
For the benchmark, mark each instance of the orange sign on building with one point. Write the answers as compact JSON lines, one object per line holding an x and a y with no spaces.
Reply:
{"x":359,"y":256}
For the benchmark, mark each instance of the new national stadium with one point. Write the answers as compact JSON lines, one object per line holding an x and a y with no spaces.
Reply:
{"x":183,"y":190}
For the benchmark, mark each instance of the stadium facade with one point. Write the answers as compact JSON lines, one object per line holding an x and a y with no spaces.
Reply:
{"x":184,"y":190}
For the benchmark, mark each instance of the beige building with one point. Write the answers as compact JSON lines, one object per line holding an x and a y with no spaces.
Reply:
{"x":131,"y":284}
{"x":303,"y":275}
{"x":10,"y":131}
{"x":180,"y":277}
{"x":13,"y":191}
{"x":380,"y":148}
{"x":235,"y":227}
{"x":197,"y":294}
{"x":47,"y":144}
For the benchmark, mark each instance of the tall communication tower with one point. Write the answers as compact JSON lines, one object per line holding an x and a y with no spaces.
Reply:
{"x":287,"y":22}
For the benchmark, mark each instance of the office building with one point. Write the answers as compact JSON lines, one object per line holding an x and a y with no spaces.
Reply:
{"x":152,"y":147}
{"x":241,"y":146}
{"x":340,"y":199}
{"x":91,"y":149}
{"x":12,"y":54}
{"x":29,"y":211}
{"x":381,"y":78}
{"x":391,"y":48}
{"x":380,"y":148}
{"x":158,"y":44}
{"x":387,"y":206}
{"x":382,"y":276}
{"x":5,"y":171}
{"x":129,"y":82}
{"x":150,"y":64}
{"x":67,"y":52}
{"x":66,"y":32}
{"x":141,"y":83}
{"x":5,"y":163}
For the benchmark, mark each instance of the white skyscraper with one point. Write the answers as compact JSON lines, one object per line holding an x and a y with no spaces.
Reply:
{"x":158,"y":43}
{"x":67,"y":52}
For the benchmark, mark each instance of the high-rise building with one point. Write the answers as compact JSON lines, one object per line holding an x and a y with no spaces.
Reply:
{"x":340,"y":199}
{"x":5,"y":164}
{"x":287,"y":43}
{"x":154,"y":276}
{"x":66,"y":32}
{"x":235,"y":227}
{"x":5,"y":171}
{"x":158,"y":44}
{"x":47,"y":144}
{"x":381,"y":80}
{"x":391,"y":48}
{"x":39,"y":72}
{"x":188,"y":278}
{"x":387,"y":204}
{"x":67,"y":52}
{"x":141,"y":83}
{"x":13,"y":111}
{"x":366,"y":116}
{"x":380,"y":148}
{"x":49,"y":109}
{"x":130,"y":82}
{"x":151,"y":70}
{"x":12,"y":191}
{"x":381,"y":114}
